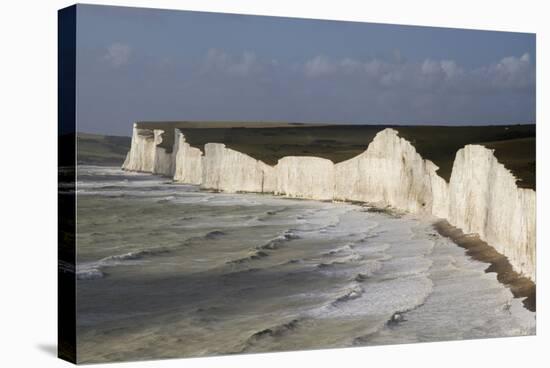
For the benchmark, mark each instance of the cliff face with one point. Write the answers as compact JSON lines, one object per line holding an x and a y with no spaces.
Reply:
{"x":305,"y":177}
{"x":269,"y":178}
{"x":150,"y":153}
{"x":484,"y":199}
{"x":481,"y":197}
{"x":142,"y":152}
{"x":389,"y":172}
{"x":164,"y":157}
{"x":188,"y":165}
{"x":231,"y":171}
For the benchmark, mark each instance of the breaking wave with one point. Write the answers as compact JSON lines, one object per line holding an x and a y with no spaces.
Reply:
{"x":352,"y":294}
{"x":253,"y":255}
{"x":262,"y":251}
{"x":94,"y":270}
{"x":280,"y":240}
{"x":276,"y":331}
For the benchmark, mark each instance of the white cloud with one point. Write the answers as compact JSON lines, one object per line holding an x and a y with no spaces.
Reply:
{"x":445,"y":69}
{"x":351,"y":89}
{"x":512,"y":72}
{"x":509,"y":72}
{"x":319,"y":66}
{"x":512,"y":64}
{"x":117,"y":54}
{"x":219,"y":61}
{"x":450,"y":68}
{"x":430,"y":67}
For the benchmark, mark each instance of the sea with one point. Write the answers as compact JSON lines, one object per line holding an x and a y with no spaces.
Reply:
{"x":167,"y":270}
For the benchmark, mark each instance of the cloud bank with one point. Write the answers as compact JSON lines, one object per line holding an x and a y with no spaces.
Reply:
{"x":244,"y":86}
{"x":350,"y":90}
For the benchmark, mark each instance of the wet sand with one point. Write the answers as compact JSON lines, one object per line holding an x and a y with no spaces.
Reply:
{"x":520,"y":286}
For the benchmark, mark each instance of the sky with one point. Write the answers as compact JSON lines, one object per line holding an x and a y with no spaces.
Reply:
{"x":138,"y":64}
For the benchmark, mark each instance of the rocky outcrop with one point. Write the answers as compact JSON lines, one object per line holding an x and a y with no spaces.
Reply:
{"x":482,"y":196}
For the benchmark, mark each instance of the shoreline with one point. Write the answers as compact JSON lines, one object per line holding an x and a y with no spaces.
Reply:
{"x":520,"y":286}
{"x":477,"y":249}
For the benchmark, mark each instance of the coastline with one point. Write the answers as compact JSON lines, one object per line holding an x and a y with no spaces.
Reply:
{"x":505,"y":219}
{"x":418,"y":283}
{"x":476,"y":248}
{"x":520,"y":286}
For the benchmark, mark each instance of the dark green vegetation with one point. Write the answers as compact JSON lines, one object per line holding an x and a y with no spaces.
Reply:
{"x":102,"y":150}
{"x":514,"y":145}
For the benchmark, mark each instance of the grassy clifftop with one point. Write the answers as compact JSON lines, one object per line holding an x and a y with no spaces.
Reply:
{"x":102,"y":150}
{"x":514,"y":145}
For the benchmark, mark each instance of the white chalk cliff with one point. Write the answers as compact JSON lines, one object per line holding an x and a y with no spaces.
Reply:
{"x":164,"y":161}
{"x":484,"y":199}
{"x":230,"y":171}
{"x":142,"y":152}
{"x":305,"y":177}
{"x":482,"y":196}
{"x":389,"y":172}
{"x":188,"y":165}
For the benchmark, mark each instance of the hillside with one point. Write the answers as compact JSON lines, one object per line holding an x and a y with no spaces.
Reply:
{"x":101,"y":150}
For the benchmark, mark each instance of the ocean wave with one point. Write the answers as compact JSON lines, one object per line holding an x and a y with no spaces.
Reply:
{"x":313,"y":229}
{"x":275,"y":331}
{"x":272,"y":213}
{"x":130,"y":256}
{"x":392,"y":322}
{"x":89,"y":274}
{"x":338,"y":250}
{"x":371,"y":266}
{"x":252,"y":255}
{"x":342,"y":261}
{"x":352,"y":294}
{"x":366,"y":238}
{"x":211,"y":235}
{"x":280,"y":240}
{"x":216,"y":234}
{"x":294,"y":261}
{"x":261,"y":251}
{"x":94,"y":270}
{"x":306,"y":213}
{"x":167,"y":199}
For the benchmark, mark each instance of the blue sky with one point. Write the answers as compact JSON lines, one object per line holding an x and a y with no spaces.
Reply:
{"x":144,"y":64}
